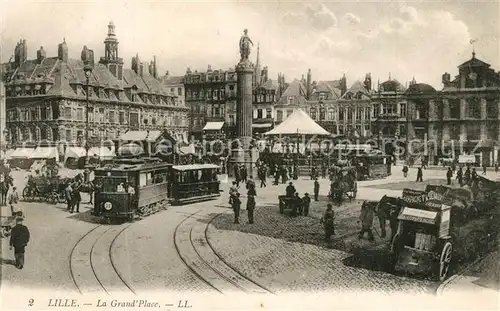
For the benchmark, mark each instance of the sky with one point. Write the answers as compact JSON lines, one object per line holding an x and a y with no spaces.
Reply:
{"x":332,"y":38}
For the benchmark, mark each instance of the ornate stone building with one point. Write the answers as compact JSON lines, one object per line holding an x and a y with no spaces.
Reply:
{"x":46,"y":96}
{"x":464,"y":116}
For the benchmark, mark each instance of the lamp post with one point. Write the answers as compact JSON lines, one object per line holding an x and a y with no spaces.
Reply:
{"x":88,"y":71}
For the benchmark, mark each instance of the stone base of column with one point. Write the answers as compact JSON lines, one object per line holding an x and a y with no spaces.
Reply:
{"x":246,"y":158}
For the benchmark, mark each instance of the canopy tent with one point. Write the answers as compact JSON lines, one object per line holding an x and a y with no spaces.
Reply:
{"x":45,"y":153}
{"x":7,"y":154}
{"x":22,"y":153}
{"x":298,"y":123}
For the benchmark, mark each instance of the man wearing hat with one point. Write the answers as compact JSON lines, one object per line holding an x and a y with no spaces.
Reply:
{"x":306,"y":203}
{"x":19,"y":238}
{"x":13,"y":200}
{"x":250,"y":207}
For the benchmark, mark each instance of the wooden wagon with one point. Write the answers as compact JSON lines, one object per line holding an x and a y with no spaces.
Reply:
{"x":45,"y":189}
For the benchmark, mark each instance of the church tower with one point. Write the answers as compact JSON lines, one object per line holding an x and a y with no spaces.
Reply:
{"x":111,"y":59}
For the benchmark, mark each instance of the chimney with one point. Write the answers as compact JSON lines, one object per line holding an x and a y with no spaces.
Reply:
{"x":151,"y":68}
{"x":141,"y":69}
{"x":265,"y":76}
{"x":20,"y":52}
{"x":155,"y":69}
{"x":62,"y":51}
{"x":135,"y":63}
{"x":40,"y":55}
{"x":368,"y":82}
{"x":343,"y":85}
{"x":308,"y":86}
{"x":446,"y":79}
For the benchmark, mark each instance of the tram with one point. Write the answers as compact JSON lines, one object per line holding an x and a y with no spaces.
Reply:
{"x":140,"y":187}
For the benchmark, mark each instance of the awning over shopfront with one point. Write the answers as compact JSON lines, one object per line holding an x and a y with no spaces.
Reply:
{"x":74,"y":152}
{"x":261,"y":125}
{"x":45,"y":153}
{"x":213,"y":126}
{"x":22,"y":153}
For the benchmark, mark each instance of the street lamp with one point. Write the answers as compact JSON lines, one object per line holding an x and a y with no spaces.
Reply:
{"x":88,"y":71}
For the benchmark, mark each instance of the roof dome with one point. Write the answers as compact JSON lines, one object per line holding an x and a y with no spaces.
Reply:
{"x":420,"y":88}
{"x":392,"y":86}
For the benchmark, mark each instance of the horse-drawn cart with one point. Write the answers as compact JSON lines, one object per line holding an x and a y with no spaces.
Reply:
{"x":45,"y":189}
{"x":435,"y":232}
{"x":343,"y":181}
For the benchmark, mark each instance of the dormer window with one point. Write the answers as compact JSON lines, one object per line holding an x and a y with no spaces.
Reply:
{"x":290,"y":100}
{"x":322,"y":96}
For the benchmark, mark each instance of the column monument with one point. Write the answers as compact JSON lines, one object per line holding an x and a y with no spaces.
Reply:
{"x":241,"y":152}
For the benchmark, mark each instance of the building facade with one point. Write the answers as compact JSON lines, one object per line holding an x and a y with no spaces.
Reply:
{"x":46,"y":96}
{"x":464,"y":115}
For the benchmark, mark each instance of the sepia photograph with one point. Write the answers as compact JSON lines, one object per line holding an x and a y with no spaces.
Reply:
{"x":249,"y":155}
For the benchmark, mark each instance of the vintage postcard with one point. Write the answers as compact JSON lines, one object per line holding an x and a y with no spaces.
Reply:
{"x":249,"y":155}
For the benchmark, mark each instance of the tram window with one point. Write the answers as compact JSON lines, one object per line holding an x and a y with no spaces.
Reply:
{"x":142,"y":180}
{"x":149,"y":178}
{"x":111,"y":184}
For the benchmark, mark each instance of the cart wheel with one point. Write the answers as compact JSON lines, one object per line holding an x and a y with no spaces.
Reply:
{"x":445,"y":260}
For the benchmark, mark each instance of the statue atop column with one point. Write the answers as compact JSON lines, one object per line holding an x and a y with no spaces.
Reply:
{"x":245,"y":47}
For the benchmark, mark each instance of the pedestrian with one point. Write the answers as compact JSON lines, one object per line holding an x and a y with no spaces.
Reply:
{"x":405,"y":171}
{"x":420,"y":175}
{"x":366,"y":219}
{"x":306,"y":203}
{"x":467,"y":175}
{"x":251,"y":186}
{"x":262,"y":176}
{"x":460,"y":176}
{"x":290,"y":190}
{"x":473,"y":176}
{"x":449,"y":175}
{"x":327,"y":221}
{"x":250,"y":208}
{"x":316,"y":189}
{"x":232,"y":192}
{"x":244,"y":173}
{"x":313,"y":172}
{"x":69,"y":196}
{"x":496,"y":167}
{"x":19,"y":238}
{"x":283,"y":174}
{"x":276,"y":177}
{"x":236,"y":208}
{"x":297,"y":205}
{"x":13,"y":200}
{"x":77,"y":198}
{"x":484,"y":169}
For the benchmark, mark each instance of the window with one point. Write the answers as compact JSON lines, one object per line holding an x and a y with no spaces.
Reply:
{"x":473,"y":108}
{"x":67,"y":113}
{"x":101,"y":115}
{"x":389,"y":109}
{"x":121,"y":117}
{"x":231,"y":119}
{"x":79,"y":114}
{"x":290,"y":100}
{"x":222,"y":93}
{"x":349,"y":114}
{"x":454,"y":105}
{"x":322,"y":114}
{"x":359,"y":115}
{"x":341,"y":130}
{"x":279,"y":115}
{"x":491,"y":109}
{"x":111,"y":117}
{"x":179,"y":91}
{"x":259,"y":113}
{"x":216,"y":94}
{"x":493,"y":131}
{"x":312,"y":113}
{"x":367,"y":130}
{"x":68,"y":135}
{"x":376,"y":110}
{"x":231,"y":87}
{"x":269,"y":113}
{"x":331,"y":114}
{"x":341,"y":115}
{"x":367,"y":114}
{"x":358,"y":130}
{"x":322,"y":96}
{"x":421,"y":111}
{"x":402,"y":109}
{"x":473,"y":131}
{"x":34,"y":114}
{"x":334,"y":130}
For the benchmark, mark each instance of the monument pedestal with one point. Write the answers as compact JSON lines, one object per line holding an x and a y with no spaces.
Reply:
{"x":243,"y":155}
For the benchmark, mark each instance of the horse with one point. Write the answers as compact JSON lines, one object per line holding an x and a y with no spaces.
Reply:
{"x":4,"y":188}
{"x":387,"y":208}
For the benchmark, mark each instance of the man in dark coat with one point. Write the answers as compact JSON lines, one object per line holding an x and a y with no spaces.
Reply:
{"x":484,"y":169}
{"x":327,"y":221}
{"x":250,"y":208}
{"x":290,"y":190}
{"x":244,"y":173}
{"x":366,"y":219}
{"x":236,"y":208}
{"x":405,"y":171}
{"x":449,"y":175}
{"x":237,"y":175}
{"x":76,"y":198}
{"x":306,"y":203}
{"x":460,"y":177}
{"x":19,"y":238}
{"x":316,"y":189}
{"x":69,"y":196}
{"x":467,"y":175}
{"x":496,"y":167}
{"x":420,"y":175}
{"x":297,"y":205}
{"x":313,"y":172}
{"x":251,"y":186}
{"x":262,"y":176}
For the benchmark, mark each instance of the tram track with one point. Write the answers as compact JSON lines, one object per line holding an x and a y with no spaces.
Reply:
{"x":197,"y":253}
{"x":92,"y":265}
